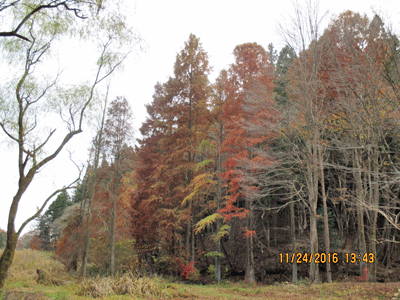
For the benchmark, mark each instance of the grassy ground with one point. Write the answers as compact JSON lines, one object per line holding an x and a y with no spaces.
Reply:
{"x":57,"y":284}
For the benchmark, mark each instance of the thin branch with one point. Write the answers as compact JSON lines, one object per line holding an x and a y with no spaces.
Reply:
{"x":39,"y":211}
{"x":3,"y":7}
{"x":45,"y":142}
{"x":7,"y":133}
{"x":14,"y":32}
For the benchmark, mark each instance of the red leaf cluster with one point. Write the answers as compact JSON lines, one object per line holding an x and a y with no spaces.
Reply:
{"x":187,"y":270}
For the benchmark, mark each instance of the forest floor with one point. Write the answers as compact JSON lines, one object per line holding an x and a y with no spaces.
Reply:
{"x":56,"y":284}
{"x":221,"y":291}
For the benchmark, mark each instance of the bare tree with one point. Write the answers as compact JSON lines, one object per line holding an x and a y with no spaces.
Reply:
{"x":364,"y":110}
{"x":97,"y":147}
{"x":303,"y":36}
{"x":20,"y":113}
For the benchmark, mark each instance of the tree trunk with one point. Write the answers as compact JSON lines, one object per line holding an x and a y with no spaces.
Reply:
{"x":98,"y":143}
{"x":274,"y":221}
{"x":374,"y":214}
{"x":187,"y":243}
{"x":250,"y":275}
{"x":7,"y":256}
{"x":113,"y":229}
{"x":12,"y":236}
{"x":113,"y":233}
{"x":312,"y":182}
{"x":294,"y":242}
{"x":90,"y":210}
{"x":360,"y":209}
{"x":314,"y":270}
{"x":219,"y":200}
{"x":193,"y":238}
{"x":88,"y":226}
{"x":326,"y":220}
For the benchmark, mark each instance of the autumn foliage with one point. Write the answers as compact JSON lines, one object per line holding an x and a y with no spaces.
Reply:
{"x":287,"y":152}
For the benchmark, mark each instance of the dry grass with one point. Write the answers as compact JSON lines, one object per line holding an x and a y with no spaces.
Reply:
{"x":126,"y":284}
{"x":23,"y":271}
{"x":338,"y":291}
{"x":21,"y":284}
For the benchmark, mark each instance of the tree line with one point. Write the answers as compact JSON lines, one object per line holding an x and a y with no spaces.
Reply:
{"x":285,"y":155}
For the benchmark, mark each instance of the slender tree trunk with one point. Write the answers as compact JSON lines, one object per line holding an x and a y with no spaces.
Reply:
{"x":374,"y":213}
{"x":89,"y":222}
{"x":193,"y":243}
{"x":12,"y":236}
{"x":326,"y":220}
{"x":98,"y":143}
{"x":113,"y":233}
{"x":360,"y":209}
{"x":274,"y":222}
{"x":219,"y":200}
{"x":190,"y":232}
{"x":314,"y":270}
{"x":312,"y":170}
{"x":250,"y":274}
{"x":113,"y":229}
{"x":294,"y":242}
{"x":187,"y":244}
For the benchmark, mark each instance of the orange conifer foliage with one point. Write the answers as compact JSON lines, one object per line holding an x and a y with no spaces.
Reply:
{"x":249,"y":117}
{"x":166,"y":162}
{"x":247,"y":113}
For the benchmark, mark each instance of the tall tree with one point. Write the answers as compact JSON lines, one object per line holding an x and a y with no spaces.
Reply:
{"x":285,"y":60}
{"x":98,"y":145}
{"x":168,"y":159}
{"x":220,"y":94}
{"x":21,"y":116}
{"x":191,"y":72}
{"x":117,"y":134}
{"x":308,"y":101}
{"x":251,"y":80}
{"x":362,"y":93}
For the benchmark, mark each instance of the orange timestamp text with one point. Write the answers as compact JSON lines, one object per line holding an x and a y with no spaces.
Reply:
{"x":322,"y":258}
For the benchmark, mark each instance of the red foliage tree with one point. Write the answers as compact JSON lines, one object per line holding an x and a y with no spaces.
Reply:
{"x":166,"y":165}
{"x":248,"y":112}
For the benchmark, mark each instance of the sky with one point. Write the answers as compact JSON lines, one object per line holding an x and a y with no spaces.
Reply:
{"x":164,"y":26}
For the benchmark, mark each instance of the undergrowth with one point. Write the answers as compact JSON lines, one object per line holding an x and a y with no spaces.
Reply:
{"x":22,"y":283}
{"x":127,"y":284}
{"x":23,"y":271}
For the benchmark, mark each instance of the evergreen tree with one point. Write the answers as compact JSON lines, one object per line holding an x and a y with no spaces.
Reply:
{"x":56,"y":208}
{"x":81,"y":193}
{"x":272,"y":54}
{"x":54,"y":211}
{"x":285,"y":60}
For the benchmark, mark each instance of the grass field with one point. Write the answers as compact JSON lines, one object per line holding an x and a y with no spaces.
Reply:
{"x":57,"y":284}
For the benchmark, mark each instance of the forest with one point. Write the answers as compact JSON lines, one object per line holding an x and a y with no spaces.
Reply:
{"x":283,"y":169}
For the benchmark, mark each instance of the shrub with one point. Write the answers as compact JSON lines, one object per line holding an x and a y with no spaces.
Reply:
{"x":211,"y":271}
{"x":189,"y":272}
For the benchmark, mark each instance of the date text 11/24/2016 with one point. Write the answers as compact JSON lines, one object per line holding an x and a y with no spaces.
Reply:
{"x":322,"y":258}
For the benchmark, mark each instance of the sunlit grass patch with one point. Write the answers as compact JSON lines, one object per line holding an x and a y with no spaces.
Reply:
{"x":23,"y":271}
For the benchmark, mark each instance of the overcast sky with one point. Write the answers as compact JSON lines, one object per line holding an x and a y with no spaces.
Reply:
{"x":165,"y":26}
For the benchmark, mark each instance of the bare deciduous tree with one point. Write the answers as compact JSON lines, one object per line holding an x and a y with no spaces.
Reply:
{"x":25,"y":101}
